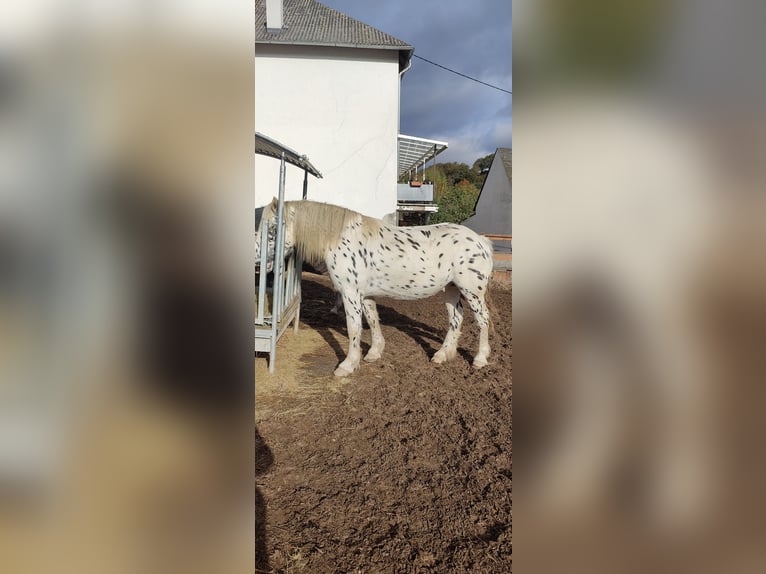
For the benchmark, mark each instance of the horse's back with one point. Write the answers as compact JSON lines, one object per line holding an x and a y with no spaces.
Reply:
{"x":465,"y":245}
{"x":419,"y":261}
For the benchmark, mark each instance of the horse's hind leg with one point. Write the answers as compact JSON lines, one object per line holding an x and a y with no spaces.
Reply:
{"x":455,"y":314}
{"x":371,"y":314}
{"x":353,"y":306}
{"x":337,"y":309}
{"x":476,"y":300}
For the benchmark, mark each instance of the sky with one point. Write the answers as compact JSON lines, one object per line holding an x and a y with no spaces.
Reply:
{"x":473,"y":38}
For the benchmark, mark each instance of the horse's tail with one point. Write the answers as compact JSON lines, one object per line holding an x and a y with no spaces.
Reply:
{"x":487,"y":296}
{"x":486,"y":242}
{"x":492,"y":309}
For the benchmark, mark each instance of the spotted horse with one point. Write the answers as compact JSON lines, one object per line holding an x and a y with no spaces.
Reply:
{"x":365,"y":257}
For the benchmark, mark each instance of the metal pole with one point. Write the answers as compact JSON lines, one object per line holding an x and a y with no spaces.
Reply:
{"x":279,"y":261}
{"x":299,"y":260}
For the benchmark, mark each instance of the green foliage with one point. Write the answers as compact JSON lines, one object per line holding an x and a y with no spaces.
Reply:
{"x":456,"y":188}
{"x":439,"y":180}
{"x":456,"y":203}
{"x":457,"y":172}
{"x":483,"y":163}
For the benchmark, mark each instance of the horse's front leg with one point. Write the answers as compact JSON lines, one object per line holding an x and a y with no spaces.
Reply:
{"x":353,"y":307}
{"x":378,"y":342}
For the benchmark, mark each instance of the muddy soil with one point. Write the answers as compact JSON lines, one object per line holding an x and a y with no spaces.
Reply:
{"x":403,"y":467}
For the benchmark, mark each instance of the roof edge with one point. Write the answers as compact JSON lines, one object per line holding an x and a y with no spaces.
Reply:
{"x":264,"y":145}
{"x":405,"y":52}
{"x":334,"y":45}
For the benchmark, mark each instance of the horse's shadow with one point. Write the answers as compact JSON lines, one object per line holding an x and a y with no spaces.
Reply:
{"x":263,"y":460}
{"x":320,"y":298}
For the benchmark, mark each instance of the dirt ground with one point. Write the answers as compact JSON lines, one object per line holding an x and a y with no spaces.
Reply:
{"x":403,"y":467}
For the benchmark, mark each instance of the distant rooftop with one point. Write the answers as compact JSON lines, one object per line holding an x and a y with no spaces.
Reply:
{"x":505,"y":154}
{"x":309,"y":23}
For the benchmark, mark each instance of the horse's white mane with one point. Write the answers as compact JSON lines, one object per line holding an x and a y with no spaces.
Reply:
{"x":318,"y":227}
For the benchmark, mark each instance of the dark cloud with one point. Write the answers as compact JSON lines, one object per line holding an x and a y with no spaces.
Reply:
{"x":473,"y":38}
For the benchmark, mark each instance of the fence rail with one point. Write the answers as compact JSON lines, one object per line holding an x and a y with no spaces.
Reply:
{"x":273,"y":315}
{"x":502,"y":256}
{"x":503,"y":245}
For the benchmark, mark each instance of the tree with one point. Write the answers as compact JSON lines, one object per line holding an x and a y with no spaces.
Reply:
{"x":436,"y":175}
{"x":483,"y":162}
{"x":457,"y":172}
{"x":456,"y":203}
{"x":456,"y":188}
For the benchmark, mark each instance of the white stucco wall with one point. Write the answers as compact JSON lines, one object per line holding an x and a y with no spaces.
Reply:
{"x":338,"y":106}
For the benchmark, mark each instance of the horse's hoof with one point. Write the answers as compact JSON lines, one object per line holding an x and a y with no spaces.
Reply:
{"x":443,"y":355}
{"x":343,"y":371}
{"x":479,"y":363}
{"x":370,"y":357}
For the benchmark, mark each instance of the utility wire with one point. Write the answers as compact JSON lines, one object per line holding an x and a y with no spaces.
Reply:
{"x":459,"y":74}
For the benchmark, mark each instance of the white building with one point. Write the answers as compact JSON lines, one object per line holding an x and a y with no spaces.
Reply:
{"x":328,"y":85}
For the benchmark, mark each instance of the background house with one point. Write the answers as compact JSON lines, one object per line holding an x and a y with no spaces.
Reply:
{"x":329,"y":85}
{"x":492,"y":213}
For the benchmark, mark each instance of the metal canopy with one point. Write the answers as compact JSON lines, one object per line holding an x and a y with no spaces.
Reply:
{"x":415,"y":152}
{"x":266,"y":146}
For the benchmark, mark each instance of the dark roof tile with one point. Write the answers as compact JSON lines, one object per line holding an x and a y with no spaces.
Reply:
{"x":307,"y":22}
{"x":505,"y":156}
